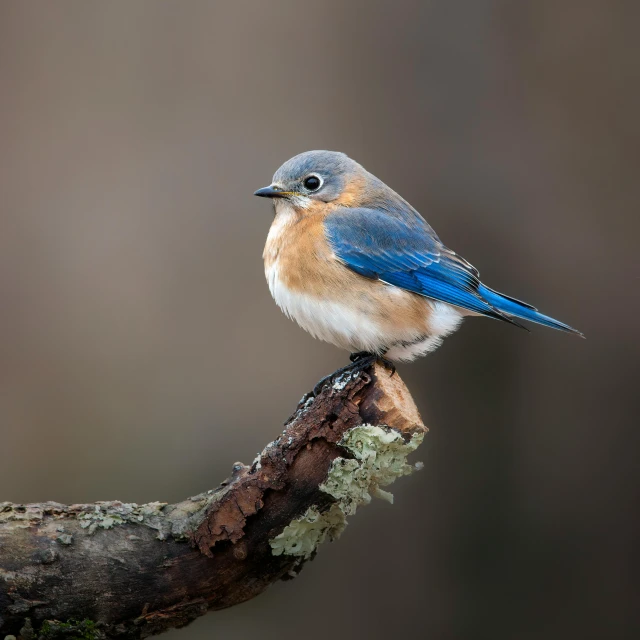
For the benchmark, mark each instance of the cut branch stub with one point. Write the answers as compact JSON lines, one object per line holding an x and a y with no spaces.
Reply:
{"x":125,"y":570}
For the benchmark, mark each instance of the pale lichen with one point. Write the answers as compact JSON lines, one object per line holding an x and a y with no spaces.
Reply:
{"x":97,"y":518}
{"x":105,"y":515}
{"x":379,"y":457}
{"x":302,"y":536}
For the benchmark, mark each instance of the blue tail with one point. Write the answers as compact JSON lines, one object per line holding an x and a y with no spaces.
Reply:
{"x":512,"y":307}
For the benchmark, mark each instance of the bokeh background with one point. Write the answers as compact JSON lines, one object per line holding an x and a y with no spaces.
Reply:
{"x":141,"y":354}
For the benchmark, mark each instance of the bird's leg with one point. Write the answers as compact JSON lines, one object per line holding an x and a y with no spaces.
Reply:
{"x":360,"y":355}
{"x":360,"y":361}
{"x":358,"y":365}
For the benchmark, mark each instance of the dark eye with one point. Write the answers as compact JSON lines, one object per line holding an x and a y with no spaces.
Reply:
{"x":312,"y":183}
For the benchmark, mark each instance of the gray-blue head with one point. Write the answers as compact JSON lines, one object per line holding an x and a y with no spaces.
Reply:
{"x":320,"y":177}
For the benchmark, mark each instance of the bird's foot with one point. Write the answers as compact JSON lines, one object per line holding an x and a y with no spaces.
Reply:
{"x":357,"y":365}
{"x":385,"y":362}
{"x":359,"y":362}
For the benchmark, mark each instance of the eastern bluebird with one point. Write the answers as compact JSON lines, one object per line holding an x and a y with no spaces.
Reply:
{"x":356,"y":265}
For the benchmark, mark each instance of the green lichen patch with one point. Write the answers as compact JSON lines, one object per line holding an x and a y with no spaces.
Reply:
{"x":302,"y":536}
{"x":379,"y":457}
{"x":71,"y":630}
{"x":105,"y":515}
{"x":98,"y":518}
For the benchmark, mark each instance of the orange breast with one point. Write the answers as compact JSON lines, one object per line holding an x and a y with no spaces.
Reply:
{"x":299,"y":255}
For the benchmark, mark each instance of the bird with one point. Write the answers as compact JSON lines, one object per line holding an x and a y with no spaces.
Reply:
{"x":355,"y":265}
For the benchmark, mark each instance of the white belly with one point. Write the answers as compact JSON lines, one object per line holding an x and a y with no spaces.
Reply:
{"x":356,"y":325}
{"x":349,"y":327}
{"x":332,"y":322}
{"x":443,"y":320}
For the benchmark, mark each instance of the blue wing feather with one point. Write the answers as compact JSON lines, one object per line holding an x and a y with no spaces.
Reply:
{"x":405,"y":252}
{"x":400,"y":248}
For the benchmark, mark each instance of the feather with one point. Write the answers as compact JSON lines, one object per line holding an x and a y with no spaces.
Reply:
{"x":399,"y":247}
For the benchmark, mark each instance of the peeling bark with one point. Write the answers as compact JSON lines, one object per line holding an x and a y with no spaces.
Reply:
{"x":115,"y":569}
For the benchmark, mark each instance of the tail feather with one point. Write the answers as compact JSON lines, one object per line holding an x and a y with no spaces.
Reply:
{"x":512,"y":307}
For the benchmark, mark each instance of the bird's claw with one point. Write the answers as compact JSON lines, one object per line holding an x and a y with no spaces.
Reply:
{"x":387,"y":364}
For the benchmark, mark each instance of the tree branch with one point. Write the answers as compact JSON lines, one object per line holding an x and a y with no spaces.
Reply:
{"x":115,"y":569}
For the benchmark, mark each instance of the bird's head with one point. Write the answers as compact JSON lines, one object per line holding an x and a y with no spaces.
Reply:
{"x":316,"y":178}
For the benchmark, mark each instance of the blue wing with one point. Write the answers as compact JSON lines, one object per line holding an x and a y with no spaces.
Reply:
{"x":404,"y":251}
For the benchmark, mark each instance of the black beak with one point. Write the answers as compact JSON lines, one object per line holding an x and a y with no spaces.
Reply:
{"x":271,"y":192}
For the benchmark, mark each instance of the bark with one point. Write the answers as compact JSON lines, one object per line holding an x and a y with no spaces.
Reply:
{"x":116,"y":569}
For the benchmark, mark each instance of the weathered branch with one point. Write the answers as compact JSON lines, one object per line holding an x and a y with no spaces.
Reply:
{"x":114,"y":569}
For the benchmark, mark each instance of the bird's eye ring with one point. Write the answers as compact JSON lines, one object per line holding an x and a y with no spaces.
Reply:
{"x":312,"y":183}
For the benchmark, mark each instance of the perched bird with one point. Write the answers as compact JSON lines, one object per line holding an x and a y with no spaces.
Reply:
{"x":356,"y":265}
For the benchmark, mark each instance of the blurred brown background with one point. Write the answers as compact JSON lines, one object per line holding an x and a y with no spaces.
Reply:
{"x":141,"y":354}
